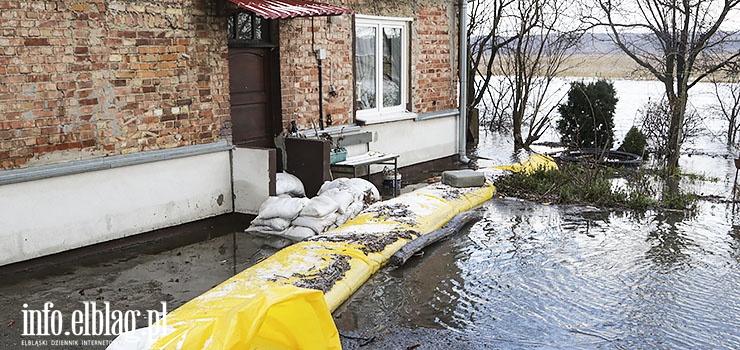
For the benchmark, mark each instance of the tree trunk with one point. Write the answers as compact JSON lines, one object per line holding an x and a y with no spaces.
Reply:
{"x":517,"y":130}
{"x":675,"y":133}
{"x":731,"y":131}
{"x":451,"y":227}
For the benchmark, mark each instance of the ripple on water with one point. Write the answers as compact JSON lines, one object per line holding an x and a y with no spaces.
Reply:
{"x":559,"y":278}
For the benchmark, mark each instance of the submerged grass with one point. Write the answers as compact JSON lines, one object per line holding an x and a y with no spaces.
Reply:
{"x":577,"y":183}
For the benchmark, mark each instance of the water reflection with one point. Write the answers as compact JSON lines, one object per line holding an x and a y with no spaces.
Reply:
{"x":735,"y":243}
{"x":669,"y":240}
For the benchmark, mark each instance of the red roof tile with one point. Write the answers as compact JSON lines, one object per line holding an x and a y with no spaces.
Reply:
{"x":290,"y":8}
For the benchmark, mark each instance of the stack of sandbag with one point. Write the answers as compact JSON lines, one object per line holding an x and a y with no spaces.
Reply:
{"x":337,"y":201}
{"x":276,"y":215}
{"x":299,"y":218}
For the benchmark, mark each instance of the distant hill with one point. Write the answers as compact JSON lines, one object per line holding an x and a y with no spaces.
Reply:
{"x":602,"y":44}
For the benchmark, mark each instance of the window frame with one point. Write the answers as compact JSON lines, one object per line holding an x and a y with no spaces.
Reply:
{"x":381,"y":113}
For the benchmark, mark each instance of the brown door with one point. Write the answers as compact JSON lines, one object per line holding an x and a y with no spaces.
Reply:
{"x":252,"y":114}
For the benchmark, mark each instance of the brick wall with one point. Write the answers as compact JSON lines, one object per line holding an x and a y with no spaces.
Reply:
{"x":434,"y":67}
{"x":433,"y":59}
{"x":299,"y":69}
{"x":84,"y":79}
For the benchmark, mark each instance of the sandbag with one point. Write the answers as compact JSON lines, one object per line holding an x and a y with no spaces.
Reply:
{"x":298,"y":233}
{"x":277,"y":224}
{"x":318,"y":225}
{"x":265,"y":230}
{"x":340,"y":183}
{"x":354,"y":209}
{"x":289,"y":184}
{"x":366,"y":187}
{"x":319,"y":206}
{"x":281,"y":207}
{"x":362,"y":189}
{"x":343,"y":198}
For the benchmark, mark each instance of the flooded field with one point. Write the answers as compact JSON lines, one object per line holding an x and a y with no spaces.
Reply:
{"x":536,"y":276}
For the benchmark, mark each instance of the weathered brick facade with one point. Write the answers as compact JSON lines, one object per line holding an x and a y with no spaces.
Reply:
{"x":434,"y":69}
{"x":85,"y":79}
{"x":433,"y":59}
{"x":92,"y":78}
{"x":299,"y":69}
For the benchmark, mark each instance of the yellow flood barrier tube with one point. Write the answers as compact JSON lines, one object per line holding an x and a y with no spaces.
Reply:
{"x":285,"y":301}
{"x":531,"y":164}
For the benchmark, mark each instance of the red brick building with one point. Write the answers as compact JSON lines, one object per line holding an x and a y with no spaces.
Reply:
{"x":120,"y":117}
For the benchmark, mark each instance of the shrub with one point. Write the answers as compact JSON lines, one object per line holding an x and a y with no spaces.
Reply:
{"x":587,"y":119}
{"x":577,"y":183}
{"x":634,"y":142}
{"x":656,"y":117}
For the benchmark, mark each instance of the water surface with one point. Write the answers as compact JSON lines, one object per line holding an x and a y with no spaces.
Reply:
{"x":536,"y":276}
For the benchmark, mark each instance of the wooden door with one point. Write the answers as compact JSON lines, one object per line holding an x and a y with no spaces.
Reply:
{"x":251,"y":84}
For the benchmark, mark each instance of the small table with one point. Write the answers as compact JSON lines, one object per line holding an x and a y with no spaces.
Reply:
{"x":371,"y":158}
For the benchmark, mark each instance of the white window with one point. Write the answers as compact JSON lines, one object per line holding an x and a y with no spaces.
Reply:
{"x":381,"y":68}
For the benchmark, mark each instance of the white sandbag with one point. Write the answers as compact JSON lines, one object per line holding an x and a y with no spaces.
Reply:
{"x":343,"y":198}
{"x":298,"y":233}
{"x":342,"y":218}
{"x":286,"y":183}
{"x":361,"y":185}
{"x":319,"y":207}
{"x":318,"y":225}
{"x":265,"y":236}
{"x":340,"y":183}
{"x":277,"y":224}
{"x":266,"y":230}
{"x":279,"y":207}
{"x":362,"y":189}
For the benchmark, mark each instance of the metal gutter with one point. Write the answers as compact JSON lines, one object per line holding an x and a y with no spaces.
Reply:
{"x":463,"y":46}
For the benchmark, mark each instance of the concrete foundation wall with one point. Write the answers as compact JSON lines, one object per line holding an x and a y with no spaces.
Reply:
{"x":414,"y":141}
{"x":252,"y":178}
{"x":51,"y":215}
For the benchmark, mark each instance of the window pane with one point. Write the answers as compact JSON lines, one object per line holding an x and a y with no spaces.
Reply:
{"x":245,"y":26}
{"x":365,"y":62}
{"x":258,"y":24}
{"x":391,"y":67}
{"x":230,"y":27}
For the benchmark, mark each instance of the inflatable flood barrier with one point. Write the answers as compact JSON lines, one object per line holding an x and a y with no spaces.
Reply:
{"x":531,"y":164}
{"x":285,"y":301}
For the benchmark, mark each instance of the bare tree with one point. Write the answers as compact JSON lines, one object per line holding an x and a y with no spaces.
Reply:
{"x":680,"y":42}
{"x":727,"y":92}
{"x":489,"y":29}
{"x":537,"y":55}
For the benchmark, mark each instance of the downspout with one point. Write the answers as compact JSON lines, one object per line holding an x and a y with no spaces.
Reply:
{"x":463,"y":103}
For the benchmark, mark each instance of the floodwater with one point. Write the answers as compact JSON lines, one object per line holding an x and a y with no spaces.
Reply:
{"x":537,"y":276}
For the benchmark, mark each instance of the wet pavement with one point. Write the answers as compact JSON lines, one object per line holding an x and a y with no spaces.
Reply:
{"x":168,"y":266}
